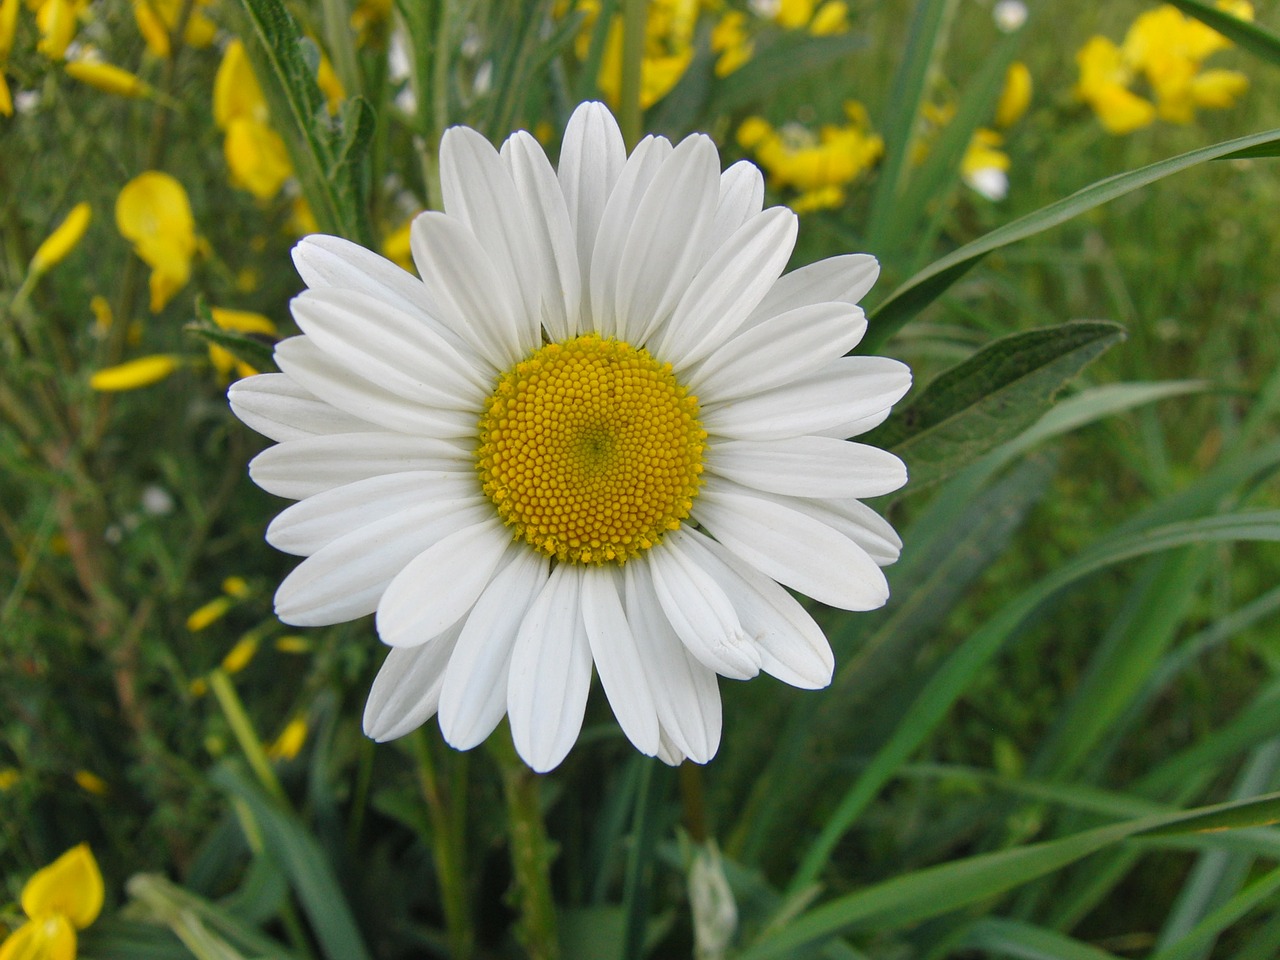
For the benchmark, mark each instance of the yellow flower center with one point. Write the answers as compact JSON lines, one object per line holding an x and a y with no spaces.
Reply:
{"x":591,"y":450}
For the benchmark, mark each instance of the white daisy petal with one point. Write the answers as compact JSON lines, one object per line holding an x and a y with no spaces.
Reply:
{"x":853,"y":428}
{"x":477,"y":301}
{"x":781,"y":350}
{"x":792,"y":646}
{"x":311,"y":465}
{"x":700,"y":614}
{"x":665,"y":242}
{"x":478,"y":190}
{"x":280,"y":409}
{"x":390,"y":347}
{"x":846,"y":278}
{"x":848,"y":388}
{"x":346,"y":579}
{"x":601,"y":283}
{"x":346,"y":389}
{"x":550,"y":674}
{"x":855,"y":520}
{"x":685,"y":692}
{"x":406,"y":692}
{"x":592,"y":155}
{"x":618,"y":660}
{"x":439,"y":587}
{"x":474,"y":698}
{"x":791,"y":547}
{"x":317,"y":521}
{"x":728,"y":286}
{"x":808,"y":467}
{"x":741,"y":198}
{"x":548,"y":217}
{"x":668,"y":752}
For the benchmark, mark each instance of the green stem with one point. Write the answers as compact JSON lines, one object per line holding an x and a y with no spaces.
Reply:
{"x":639,"y":875}
{"x":447,"y":849}
{"x":242,"y":728}
{"x":531,"y":853}
{"x":634,"y":15}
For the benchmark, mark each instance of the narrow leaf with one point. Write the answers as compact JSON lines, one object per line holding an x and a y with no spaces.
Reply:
{"x":1249,"y":36}
{"x":930,"y":283}
{"x":989,"y":398}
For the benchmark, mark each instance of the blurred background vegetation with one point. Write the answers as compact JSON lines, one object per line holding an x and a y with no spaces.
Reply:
{"x":1083,"y":625}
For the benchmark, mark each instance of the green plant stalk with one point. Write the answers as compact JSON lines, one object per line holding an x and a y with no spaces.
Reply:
{"x":634,"y":16}
{"x":242,"y":728}
{"x":446,"y":850}
{"x":531,"y":853}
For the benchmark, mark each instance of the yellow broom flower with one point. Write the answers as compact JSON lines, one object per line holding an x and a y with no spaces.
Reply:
{"x":63,"y":239}
{"x":240,"y":321}
{"x":289,"y":743}
{"x":108,"y":78}
{"x":153,"y":213}
{"x":58,"y":900}
{"x":134,"y":374}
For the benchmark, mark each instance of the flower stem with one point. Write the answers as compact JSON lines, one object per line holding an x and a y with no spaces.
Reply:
{"x":531,"y":853}
{"x":446,"y":812}
{"x":634,"y":17}
{"x":246,"y":736}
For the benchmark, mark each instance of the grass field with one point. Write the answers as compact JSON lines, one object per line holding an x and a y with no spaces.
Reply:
{"x":1060,"y":738}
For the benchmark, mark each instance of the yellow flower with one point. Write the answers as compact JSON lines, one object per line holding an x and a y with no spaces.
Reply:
{"x":6,"y":98}
{"x":58,"y":900}
{"x":63,"y":239}
{"x":238,"y":587}
{"x":985,"y":166}
{"x":90,"y":782}
{"x":157,"y":19}
{"x":240,"y":656}
{"x":255,"y":154}
{"x":831,"y":18}
{"x":730,"y":39}
{"x":153,"y":213}
{"x":8,"y":26}
{"x":57,"y":20}
{"x":1104,"y":85}
{"x":108,"y":78}
{"x":668,"y":48}
{"x":102,"y":316}
{"x":330,"y":85}
{"x":210,"y":613}
{"x":1016,"y":95}
{"x":9,"y":777}
{"x":813,"y":163}
{"x":292,"y":643}
{"x":302,"y":222}
{"x":241,"y":321}
{"x":290,"y":741}
{"x":134,"y":374}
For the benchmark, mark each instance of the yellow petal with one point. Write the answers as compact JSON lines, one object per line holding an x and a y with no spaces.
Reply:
{"x":8,"y":26}
{"x":238,"y":587}
{"x":236,"y":92}
{"x":290,"y":741}
{"x":134,"y":374}
{"x":242,"y":321}
{"x":1016,"y":96}
{"x":57,"y":22}
{"x":832,"y":18}
{"x":256,"y":157}
{"x":330,"y":86}
{"x":152,"y":28}
{"x":71,"y":886}
{"x":49,"y":938}
{"x":209,"y":614}
{"x":153,"y":212}
{"x":6,"y":98}
{"x":63,"y":239}
{"x":395,"y":246}
{"x":107,"y":77}
{"x":240,"y":656}
{"x":1218,"y":88}
{"x":90,"y":782}
{"x":9,"y":776}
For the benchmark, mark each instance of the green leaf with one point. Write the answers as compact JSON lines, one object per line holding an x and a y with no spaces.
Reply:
{"x":326,"y":156}
{"x":1012,"y":938}
{"x":242,"y":346}
{"x":793,"y":55}
{"x":1253,"y":37}
{"x":934,"y":891}
{"x":930,"y":283}
{"x":292,"y":846}
{"x":989,"y":398}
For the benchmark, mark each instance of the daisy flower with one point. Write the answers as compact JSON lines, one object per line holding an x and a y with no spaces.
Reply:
{"x":601,"y":429}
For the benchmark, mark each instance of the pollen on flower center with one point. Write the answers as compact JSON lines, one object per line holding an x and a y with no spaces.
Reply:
{"x":591,"y":450}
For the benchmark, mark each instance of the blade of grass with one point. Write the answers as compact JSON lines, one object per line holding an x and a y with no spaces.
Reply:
{"x":1012,"y":938}
{"x":1253,"y":37}
{"x":929,"y":284}
{"x":958,"y":671}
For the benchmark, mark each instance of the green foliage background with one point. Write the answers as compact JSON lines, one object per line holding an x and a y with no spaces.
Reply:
{"x":1081,"y":640}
